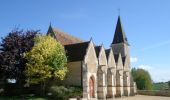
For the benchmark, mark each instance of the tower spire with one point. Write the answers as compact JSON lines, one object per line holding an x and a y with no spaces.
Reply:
{"x":120,"y":36}
{"x":50,"y":31}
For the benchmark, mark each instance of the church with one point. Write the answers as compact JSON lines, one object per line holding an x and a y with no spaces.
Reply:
{"x":102,"y":73}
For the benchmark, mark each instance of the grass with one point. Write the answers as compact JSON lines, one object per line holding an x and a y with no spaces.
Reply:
{"x":22,"y":98}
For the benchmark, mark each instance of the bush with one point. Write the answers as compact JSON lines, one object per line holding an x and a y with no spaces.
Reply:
{"x":12,"y":89}
{"x":1,"y":91}
{"x":63,"y":93}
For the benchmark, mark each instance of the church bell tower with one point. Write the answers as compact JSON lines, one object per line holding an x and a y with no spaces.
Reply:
{"x":120,"y":43}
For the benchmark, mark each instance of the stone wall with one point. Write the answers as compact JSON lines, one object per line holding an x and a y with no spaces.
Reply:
{"x":154,"y":92}
{"x":90,"y":64}
{"x":120,"y":48}
{"x":74,"y":74}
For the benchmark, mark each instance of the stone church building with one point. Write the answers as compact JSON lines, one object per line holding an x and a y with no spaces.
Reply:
{"x":102,"y":73}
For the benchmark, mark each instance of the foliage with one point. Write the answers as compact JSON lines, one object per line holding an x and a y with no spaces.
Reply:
{"x":169,"y":84}
{"x":160,"y":86}
{"x":46,"y":60}
{"x":63,"y":93}
{"x":142,"y":79}
{"x":13,"y":46}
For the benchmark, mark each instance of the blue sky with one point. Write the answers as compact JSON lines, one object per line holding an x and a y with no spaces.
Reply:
{"x":146,"y":23}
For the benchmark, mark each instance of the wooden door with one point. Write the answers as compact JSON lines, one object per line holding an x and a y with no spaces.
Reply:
{"x":91,"y":87}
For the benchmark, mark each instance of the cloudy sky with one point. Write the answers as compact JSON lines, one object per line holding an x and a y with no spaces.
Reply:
{"x":146,"y":23}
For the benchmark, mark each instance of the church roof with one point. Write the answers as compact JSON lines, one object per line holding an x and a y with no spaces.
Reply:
{"x":120,"y":36}
{"x":97,"y":49}
{"x":107,"y":53}
{"x":123,"y":60}
{"x":76,"y":52}
{"x":62,"y":37}
{"x":116,"y":56}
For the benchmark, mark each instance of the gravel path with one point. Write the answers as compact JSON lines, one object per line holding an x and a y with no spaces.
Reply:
{"x":142,"y":97}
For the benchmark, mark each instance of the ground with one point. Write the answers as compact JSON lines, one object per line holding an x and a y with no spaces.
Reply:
{"x":137,"y":97}
{"x":143,"y":97}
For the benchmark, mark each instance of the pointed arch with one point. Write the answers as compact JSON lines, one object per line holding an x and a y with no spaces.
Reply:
{"x":92,"y":86}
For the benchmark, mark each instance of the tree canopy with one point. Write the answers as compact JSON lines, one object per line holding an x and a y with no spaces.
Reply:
{"x":142,"y":79}
{"x":12,"y":48}
{"x":46,"y":60}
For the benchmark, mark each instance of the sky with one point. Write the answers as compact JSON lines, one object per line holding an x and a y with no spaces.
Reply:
{"x":145,"y":22}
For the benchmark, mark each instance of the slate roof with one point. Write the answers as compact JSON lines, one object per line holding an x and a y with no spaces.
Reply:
{"x":62,"y":37}
{"x":107,"y":53}
{"x":123,"y":60}
{"x":76,"y":52}
{"x":120,"y":36}
{"x":116,"y":56}
{"x":97,"y":49}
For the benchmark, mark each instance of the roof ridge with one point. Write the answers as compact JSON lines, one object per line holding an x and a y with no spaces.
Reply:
{"x":77,"y":43}
{"x":56,"y":29}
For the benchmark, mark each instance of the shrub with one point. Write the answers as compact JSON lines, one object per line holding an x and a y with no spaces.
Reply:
{"x":63,"y":93}
{"x":1,"y":91}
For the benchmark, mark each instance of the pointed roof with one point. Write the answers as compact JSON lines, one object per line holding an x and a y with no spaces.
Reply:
{"x":62,"y":37}
{"x":116,"y":56}
{"x":110,"y":58}
{"x":50,"y":31}
{"x":124,"y":60}
{"x":76,"y":52}
{"x":120,"y":36}
{"x":97,"y":49}
{"x":107,"y":51}
{"x":119,"y":62}
{"x":126,"y":64}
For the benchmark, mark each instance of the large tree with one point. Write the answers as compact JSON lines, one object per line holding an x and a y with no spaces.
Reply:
{"x":46,"y":60}
{"x":142,"y":79}
{"x":12,"y":48}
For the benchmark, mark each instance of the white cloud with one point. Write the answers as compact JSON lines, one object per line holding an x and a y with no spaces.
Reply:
{"x":146,"y":67}
{"x":133,"y":59}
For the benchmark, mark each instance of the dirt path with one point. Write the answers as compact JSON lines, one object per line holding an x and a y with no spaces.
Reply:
{"x":142,"y":97}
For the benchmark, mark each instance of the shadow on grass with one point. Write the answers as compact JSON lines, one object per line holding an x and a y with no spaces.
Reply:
{"x":22,"y":98}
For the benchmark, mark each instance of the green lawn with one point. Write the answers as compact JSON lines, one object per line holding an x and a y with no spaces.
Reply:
{"x":22,"y":98}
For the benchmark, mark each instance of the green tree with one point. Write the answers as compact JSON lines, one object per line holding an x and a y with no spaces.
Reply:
{"x":46,"y":60}
{"x":169,"y":84}
{"x":142,"y":79}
